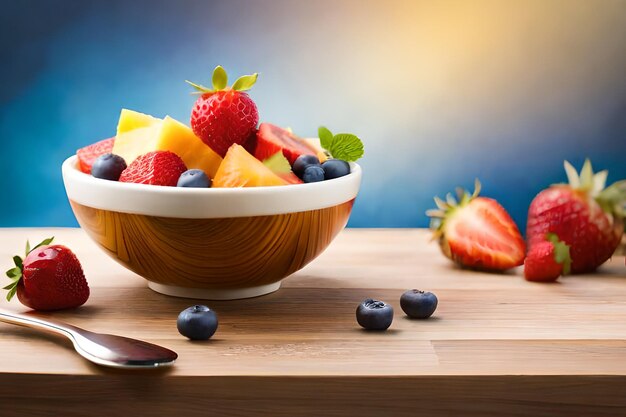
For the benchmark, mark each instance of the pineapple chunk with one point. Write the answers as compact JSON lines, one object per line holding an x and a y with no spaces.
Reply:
{"x":130,"y":120}
{"x":240,"y":169}
{"x":136,"y":142}
{"x":167,"y":135}
{"x":180,"y":139}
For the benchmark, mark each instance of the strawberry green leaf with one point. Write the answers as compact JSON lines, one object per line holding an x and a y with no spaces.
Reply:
{"x":346,"y":146}
{"x":435,"y":213}
{"x":220,"y":78}
{"x":245,"y":82}
{"x":561,"y":252}
{"x":613,"y":198}
{"x":572,"y":175}
{"x":586,"y":176}
{"x":477,"y":188}
{"x":14,"y":273}
{"x":599,"y":182}
{"x":27,"y":247}
{"x":277,"y":163}
{"x":326,"y":137}
{"x":200,"y":89}
{"x":18,"y":261}
{"x":8,"y":287}
{"x":44,"y":243}
{"x":12,"y":291}
{"x":442,"y":205}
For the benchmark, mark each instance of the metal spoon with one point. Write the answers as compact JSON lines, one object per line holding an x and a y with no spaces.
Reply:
{"x":102,"y":349}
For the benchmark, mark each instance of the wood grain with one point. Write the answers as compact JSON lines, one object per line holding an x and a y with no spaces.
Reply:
{"x":234,"y":252}
{"x":497,"y":344}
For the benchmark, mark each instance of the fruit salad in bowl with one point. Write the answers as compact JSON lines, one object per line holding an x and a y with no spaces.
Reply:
{"x":223,"y":208}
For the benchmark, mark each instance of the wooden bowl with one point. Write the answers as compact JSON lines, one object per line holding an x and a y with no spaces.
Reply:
{"x":217,"y":243}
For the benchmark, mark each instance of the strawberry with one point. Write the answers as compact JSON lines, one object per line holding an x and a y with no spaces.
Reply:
{"x":88,"y":154}
{"x":271,"y":139}
{"x":584,"y":214}
{"x":477,"y":232}
{"x":224,"y":115}
{"x":155,"y":168}
{"x":50,"y":277}
{"x":547,"y":260}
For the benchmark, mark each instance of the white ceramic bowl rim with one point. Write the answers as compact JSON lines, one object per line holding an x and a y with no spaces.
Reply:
{"x":199,"y":203}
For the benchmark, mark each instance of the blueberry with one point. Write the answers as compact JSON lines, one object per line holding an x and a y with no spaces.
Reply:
{"x":335,"y":168}
{"x":418,"y":304}
{"x":197,"y":322}
{"x":108,"y":167}
{"x":302,"y":162}
{"x":313,"y":173}
{"x":194,"y":178}
{"x":374,"y":315}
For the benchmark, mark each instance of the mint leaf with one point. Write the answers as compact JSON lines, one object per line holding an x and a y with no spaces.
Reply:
{"x":220,"y":78}
{"x":278,"y":163}
{"x":346,"y":146}
{"x":245,"y":82}
{"x":326,"y":137}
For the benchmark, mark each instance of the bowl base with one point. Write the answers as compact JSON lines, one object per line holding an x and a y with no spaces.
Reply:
{"x":214,"y":294}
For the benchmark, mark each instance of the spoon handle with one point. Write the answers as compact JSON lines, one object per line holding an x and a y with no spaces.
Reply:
{"x":102,"y":349}
{"x":37,"y":323}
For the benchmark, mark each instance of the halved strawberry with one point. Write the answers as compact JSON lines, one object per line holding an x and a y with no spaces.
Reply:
{"x":477,"y":232}
{"x":272,"y":139}
{"x":155,"y":168}
{"x":88,"y":154}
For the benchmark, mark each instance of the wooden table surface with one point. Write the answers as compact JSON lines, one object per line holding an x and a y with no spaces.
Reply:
{"x":497,"y":345}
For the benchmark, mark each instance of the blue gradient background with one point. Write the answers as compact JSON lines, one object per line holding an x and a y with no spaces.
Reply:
{"x":441,"y":92}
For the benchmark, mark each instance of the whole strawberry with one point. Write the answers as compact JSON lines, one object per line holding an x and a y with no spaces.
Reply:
{"x":477,"y":232}
{"x":50,"y":277}
{"x":155,"y":168}
{"x":584,"y":214}
{"x":225,"y":115}
{"x":547,"y":260}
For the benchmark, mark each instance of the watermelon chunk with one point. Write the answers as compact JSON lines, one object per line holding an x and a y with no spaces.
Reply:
{"x":272,"y":139}
{"x":88,"y":155}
